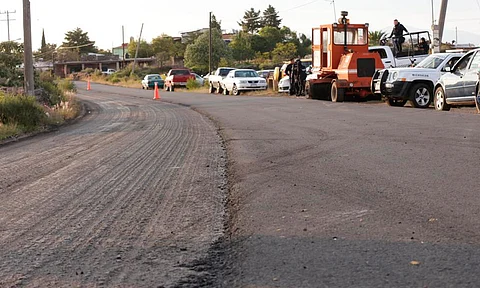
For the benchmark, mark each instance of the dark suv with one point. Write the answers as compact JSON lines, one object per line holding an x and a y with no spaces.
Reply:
{"x":460,"y":85}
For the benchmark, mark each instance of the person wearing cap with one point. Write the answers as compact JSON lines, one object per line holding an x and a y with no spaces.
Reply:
{"x":397,"y":32}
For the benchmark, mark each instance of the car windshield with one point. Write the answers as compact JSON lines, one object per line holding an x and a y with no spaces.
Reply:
{"x":154,"y":77}
{"x":246,"y":74}
{"x":431,"y":62}
{"x":224,"y":72}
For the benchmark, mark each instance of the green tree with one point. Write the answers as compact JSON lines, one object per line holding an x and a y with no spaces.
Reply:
{"x":80,"y":39}
{"x":44,"y":43}
{"x":284,"y":51}
{"x":11,"y":55}
{"x":196,"y":54}
{"x":163,"y":47}
{"x":216,"y":24}
{"x":271,"y":18}
{"x":251,"y":21}
{"x":374,"y":37}
{"x":241,"y":47}
{"x":258,"y":43}
{"x":144,"y":51}
{"x":305,"y":45}
{"x":271,"y":36}
{"x":46,"y":52}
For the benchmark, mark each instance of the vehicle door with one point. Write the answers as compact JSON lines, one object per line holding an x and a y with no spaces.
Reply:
{"x":228,"y":80}
{"x":470,"y":79}
{"x":453,"y":81}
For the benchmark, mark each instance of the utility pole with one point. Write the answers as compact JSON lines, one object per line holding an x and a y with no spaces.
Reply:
{"x":8,"y":21}
{"x":123,"y":46}
{"x":136,"y":52}
{"x":28,"y":53}
{"x":210,"y":68}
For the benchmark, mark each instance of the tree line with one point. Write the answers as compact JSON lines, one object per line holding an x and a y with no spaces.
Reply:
{"x":260,"y":42}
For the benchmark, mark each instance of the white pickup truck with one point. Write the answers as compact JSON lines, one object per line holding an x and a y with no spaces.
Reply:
{"x":389,"y":60}
{"x":416,"y":84}
{"x":215,"y":79}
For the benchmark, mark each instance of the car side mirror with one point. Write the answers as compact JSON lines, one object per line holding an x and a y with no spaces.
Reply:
{"x":448,"y":69}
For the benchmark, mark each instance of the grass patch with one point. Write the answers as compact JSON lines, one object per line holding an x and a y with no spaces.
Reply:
{"x":125,"y":81}
{"x":20,"y":114}
{"x":8,"y":130}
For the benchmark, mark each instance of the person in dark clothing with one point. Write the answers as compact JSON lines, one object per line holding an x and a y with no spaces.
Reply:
{"x":423,"y":45}
{"x":289,"y":73}
{"x":300,"y":75}
{"x":397,"y":32}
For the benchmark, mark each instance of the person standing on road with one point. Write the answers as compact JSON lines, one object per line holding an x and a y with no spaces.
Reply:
{"x":289,"y":73}
{"x":397,"y":32}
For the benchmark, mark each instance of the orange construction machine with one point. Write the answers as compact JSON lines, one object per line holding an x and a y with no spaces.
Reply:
{"x":342,"y":65}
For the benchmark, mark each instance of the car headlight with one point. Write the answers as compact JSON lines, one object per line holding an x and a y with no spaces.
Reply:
{"x":242,"y":82}
{"x":394,"y":76}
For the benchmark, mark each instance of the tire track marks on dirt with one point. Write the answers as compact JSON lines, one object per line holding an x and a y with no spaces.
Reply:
{"x":131,"y":195}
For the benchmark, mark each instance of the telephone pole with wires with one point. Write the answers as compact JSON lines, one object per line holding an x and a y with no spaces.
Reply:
{"x":8,"y":21}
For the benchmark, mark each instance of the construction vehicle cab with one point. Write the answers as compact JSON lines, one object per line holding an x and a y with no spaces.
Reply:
{"x":342,"y":65}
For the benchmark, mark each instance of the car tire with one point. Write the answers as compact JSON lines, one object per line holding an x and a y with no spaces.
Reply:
{"x":396,"y":103}
{"x":308,"y":91}
{"x":421,"y":96}
{"x":338,"y":94}
{"x":477,"y":100}
{"x":211,"y":89}
{"x":440,"y":100}
{"x":225,"y":91}
{"x":219,"y":89}
{"x":235,"y":91}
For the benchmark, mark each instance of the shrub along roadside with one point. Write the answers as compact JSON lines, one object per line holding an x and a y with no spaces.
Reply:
{"x":21,"y":114}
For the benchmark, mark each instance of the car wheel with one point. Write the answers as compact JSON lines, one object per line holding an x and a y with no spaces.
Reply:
{"x":211,"y":89}
{"x":220,"y":88}
{"x":337,"y":94}
{"x":440,"y":100}
{"x":235,"y":91}
{"x":225,"y":91}
{"x":420,"y":96}
{"x":396,"y":103}
{"x":477,"y":100}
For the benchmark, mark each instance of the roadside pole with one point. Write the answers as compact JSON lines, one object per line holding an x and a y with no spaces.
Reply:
{"x":210,"y":68}
{"x":28,"y":53}
{"x":136,"y":52}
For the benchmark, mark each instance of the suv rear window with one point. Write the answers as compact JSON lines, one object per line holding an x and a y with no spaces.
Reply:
{"x":180,"y":72}
{"x":224,"y":72}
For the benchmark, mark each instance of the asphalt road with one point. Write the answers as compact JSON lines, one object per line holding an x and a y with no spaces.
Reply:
{"x":335,"y":194}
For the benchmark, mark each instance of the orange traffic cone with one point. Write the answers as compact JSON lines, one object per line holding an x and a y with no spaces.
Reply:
{"x":156,"y":94}
{"x":88,"y":84}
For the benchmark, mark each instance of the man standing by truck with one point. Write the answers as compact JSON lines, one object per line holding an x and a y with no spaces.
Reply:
{"x":289,"y":73}
{"x":397,"y":31}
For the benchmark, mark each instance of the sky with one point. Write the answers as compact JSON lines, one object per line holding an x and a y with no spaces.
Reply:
{"x":103,"y":19}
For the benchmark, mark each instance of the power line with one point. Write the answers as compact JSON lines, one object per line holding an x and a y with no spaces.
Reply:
{"x":8,"y":20}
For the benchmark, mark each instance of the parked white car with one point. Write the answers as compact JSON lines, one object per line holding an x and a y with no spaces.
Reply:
{"x":242,"y":80}
{"x":199,"y":79}
{"x":416,"y":84}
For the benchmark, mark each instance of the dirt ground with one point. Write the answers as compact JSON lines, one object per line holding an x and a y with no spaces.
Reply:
{"x":133,"y":195}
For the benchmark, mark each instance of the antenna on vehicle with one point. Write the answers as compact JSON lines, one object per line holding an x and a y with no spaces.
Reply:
{"x":334,"y":9}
